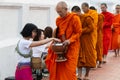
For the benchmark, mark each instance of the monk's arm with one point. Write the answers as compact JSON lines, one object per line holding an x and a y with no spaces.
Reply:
{"x":100,"y":23}
{"x":109,"y":22}
{"x":77,"y":29}
{"x":89,"y":27}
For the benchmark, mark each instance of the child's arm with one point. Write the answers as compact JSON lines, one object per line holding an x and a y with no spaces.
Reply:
{"x":38,"y":43}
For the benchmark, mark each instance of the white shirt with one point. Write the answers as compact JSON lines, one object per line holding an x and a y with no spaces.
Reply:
{"x":24,"y":48}
{"x":37,"y":51}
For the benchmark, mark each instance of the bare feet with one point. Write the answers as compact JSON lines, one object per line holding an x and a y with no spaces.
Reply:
{"x":104,"y":62}
{"x":86,"y":78}
{"x":99,"y":66}
{"x":79,"y":78}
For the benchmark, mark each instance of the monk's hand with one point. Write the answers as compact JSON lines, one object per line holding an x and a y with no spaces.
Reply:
{"x":56,"y":40}
{"x":66,"y":43}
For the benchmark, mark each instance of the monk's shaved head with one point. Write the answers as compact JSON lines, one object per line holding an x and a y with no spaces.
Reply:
{"x":117,"y":8}
{"x":62,"y":4}
{"x":85,"y":7}
{"x":85,"y":4}
{"x":118,"y":5}
{"x":61,"y":8}
{"x":92,"y":8}
{"x":103,"y":7}
{"x":76,"y":9}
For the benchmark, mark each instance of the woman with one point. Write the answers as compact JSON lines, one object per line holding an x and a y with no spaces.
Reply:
{"x":23,"y":69}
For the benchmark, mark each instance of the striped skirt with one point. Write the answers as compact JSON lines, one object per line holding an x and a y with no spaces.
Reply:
{"x":23,"y":72}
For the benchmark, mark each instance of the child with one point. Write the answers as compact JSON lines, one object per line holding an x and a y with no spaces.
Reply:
{"x":40,"y":51}
{"x":23,"y":69}
{"x":37,"y":51}
{"x":48,"y":32}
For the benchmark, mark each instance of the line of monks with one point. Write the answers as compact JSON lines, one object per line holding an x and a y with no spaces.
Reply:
{"x":88,"y":36}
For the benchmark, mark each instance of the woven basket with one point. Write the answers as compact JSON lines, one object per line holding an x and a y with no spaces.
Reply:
{"x":36,"y":63}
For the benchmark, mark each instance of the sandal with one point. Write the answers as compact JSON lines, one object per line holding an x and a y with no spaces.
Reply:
{"x":79,"y":79}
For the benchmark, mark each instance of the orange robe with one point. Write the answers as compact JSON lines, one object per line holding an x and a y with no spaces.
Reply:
{"x":87,"y":54}
{"x":99,"y":46}
{"x":115,"y":32}
{"x":119,"y":40}
{"x":107,"y":32}
{"x":70,"y":25}
{"x":94,"y":15}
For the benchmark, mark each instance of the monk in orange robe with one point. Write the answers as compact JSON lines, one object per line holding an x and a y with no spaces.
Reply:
{"x":94,"y":15}
{"x":107,"y":32}
{"x":87,"y":54}
{"x":99,"y":45}
{"x":69,"y":25}
{"x":119,"y":29}
{"x":116,"y":30}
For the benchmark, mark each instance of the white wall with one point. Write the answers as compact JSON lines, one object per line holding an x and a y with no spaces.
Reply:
{"x":14,"y":14}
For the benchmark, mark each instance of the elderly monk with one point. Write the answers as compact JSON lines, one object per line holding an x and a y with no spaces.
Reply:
{"x":107,"y":32}
{"x":87,"y":54}
{"x":69,"y":27}
{"x":116,"y":30}
{"x":99,"y":45}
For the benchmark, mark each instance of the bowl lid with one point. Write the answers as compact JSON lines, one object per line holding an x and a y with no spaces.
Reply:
{"x":58,"y":44}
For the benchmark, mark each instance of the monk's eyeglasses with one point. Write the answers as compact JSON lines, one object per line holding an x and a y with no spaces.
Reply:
{"x":117,"y":8}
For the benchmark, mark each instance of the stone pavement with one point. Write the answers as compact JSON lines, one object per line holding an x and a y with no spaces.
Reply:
{"x":109,"y":71}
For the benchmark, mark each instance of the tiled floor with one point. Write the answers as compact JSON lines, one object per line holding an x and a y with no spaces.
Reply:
{"x":109,"y":71}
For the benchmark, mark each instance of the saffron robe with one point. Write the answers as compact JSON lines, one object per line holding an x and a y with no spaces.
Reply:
{"x":115,"y":32}
{"x":70,"y":25}
{"x":99,"y":46}
{"x":94,"y":15}
{"x":87,"y":54}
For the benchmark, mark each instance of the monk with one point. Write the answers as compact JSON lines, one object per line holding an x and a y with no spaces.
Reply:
{"x":107,"y":32}
{"x":99,"y":45}
{"x":94,"y":15}
{"x":116,"y":30}
{"x":119,"y":36}
{"x":87,"y":53}
{"x":68,"y":24}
